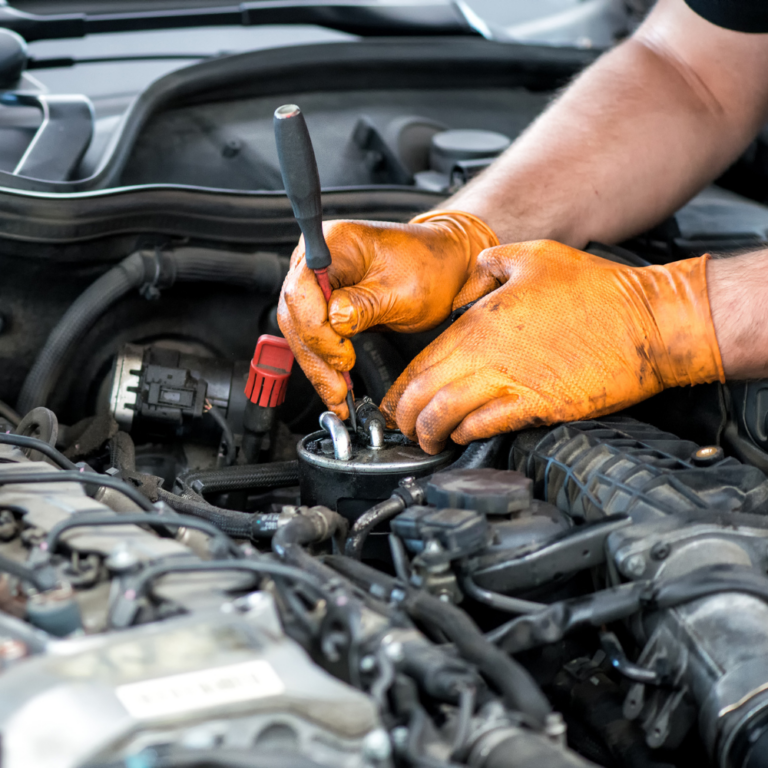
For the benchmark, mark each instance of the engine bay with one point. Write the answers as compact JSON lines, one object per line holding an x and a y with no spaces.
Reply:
{"x":200,"y":565}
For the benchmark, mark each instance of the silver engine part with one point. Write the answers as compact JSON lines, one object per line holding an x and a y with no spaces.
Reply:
{"x":223,"y":676}
{"x":694,"y":513}
{"x":714,"y":650}
{"x":218,"y":679}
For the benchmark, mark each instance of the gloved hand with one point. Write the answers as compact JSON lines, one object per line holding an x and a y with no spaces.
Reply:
{"x":561,"y":335}
{"x":402,"y":276}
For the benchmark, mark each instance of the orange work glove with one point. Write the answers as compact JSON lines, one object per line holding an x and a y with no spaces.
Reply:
{"x":560,"y":335}
{"x":402,"y":276}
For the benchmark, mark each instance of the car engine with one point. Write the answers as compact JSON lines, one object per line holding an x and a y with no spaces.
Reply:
{"x":201,"y":566}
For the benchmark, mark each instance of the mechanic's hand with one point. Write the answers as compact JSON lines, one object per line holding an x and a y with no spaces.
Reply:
{"x":402,"y":276}
{"x":560,"y":335}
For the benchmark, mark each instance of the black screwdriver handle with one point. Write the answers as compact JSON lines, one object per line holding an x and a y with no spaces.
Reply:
{"x":302,"y":181}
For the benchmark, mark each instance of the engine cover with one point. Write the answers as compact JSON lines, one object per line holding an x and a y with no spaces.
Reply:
{"x":238,"y":683}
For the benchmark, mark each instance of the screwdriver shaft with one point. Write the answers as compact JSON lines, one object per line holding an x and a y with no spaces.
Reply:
{"x":321,"y":276}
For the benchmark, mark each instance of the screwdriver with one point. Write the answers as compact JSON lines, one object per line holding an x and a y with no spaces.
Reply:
{"x":302,"y":185}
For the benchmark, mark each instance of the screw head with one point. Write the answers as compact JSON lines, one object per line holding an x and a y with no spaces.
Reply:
{"x":660,"y":551}
{"x":555,"y":728}
{"x":395,"y":651}
{"x":232,"y":148}
{"x":121,"y":559}
{"x":635,"y":565}
{"x":400,"y":738}
{"x":707,"y":455}
{"x":377,"y":746}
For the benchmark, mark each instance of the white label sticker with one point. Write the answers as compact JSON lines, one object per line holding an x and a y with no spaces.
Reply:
{"x":199,"y":690}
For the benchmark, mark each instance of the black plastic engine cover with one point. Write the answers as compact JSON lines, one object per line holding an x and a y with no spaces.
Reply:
{"x":591,"y":469}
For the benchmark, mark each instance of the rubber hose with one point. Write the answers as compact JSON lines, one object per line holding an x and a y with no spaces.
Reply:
{"x":317,"y":524}
{"x":73,"y":326}
{"x":238,"y":524}
{"x":375,"y":582}
{"x":22,"y":572}
{"x":524,"y":749}
{"x":520,"y":691}
{"x":241,"y":525}
{"x":35,"y":639}
{"x":378,"y":364}
{"x":122,"y":452}
{"x":278,"y":474}
{"x":227,"y":438}
{"x":264,"y":271}
{"x":34,"y":445}
{"x":364,"y":524}
{"x":230,"y":758}
{"x":478,"y":454}
{"x":7,"y":413}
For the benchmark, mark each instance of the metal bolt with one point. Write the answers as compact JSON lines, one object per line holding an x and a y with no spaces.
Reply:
{"x":373,"y":159}
{"x":400,"y":738}
{"x":555,"y":728}
{"x":232,"y":148}
{"x":394,"y":651}
{"x":121,"y":559}
{"x":377,"y":746}
{"x":635,"y":565}
{"x":367,"y":664}
{"x":660,"y":551}
{"x":707,"y":455}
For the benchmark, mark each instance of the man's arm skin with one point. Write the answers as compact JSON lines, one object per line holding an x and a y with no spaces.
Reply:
{"x":633,"y":138}
{"x":738,"y":297}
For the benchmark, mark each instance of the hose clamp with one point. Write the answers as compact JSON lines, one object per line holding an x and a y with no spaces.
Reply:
{"x":159,"y":273}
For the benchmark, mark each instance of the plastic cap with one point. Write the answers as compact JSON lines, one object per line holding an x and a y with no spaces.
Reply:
{"x":269,"y":373}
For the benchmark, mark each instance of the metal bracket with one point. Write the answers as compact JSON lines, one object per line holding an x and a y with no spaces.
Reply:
{"x":62,"y":138}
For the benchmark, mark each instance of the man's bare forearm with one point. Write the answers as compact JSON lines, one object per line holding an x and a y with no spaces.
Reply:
{"x":632,"y":139}
{"x":738,"y":291}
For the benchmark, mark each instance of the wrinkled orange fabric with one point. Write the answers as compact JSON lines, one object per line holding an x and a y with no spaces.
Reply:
{"x":401,"y":276}
{"x":560,"y":335}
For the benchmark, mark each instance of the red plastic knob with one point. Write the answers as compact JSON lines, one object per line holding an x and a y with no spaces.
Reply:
{"x":270,"y":370}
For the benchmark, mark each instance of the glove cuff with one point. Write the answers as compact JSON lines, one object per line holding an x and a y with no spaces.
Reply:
{"x":678,"y":296}
{"x":478,"y":234}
